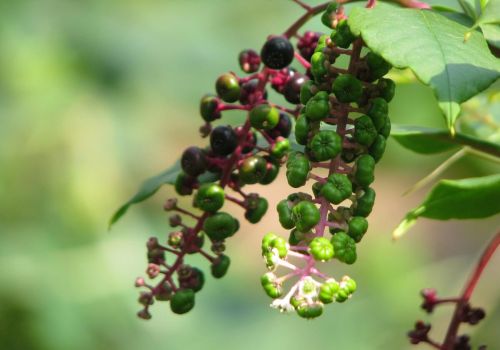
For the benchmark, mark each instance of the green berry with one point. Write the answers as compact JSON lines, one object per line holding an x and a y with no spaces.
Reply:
{"x":318,"y":66}
{"x":321,"y":43}
{"x":318,"y":107}
{"x":347,"y":88}
{"x":386,"y":129}
{"x":305,"y":215}
{"x":329,"y":14}
{"x":297,"y":169}
{"x":310,"y":310}
{"x":305,"y":91}
{"x":272,"y":170}
{"x":228,"y":88}
{"x":364,"y":173}
{"x":342,"y":35}
{"x":302,"y":129}
{"x":210,"y":197}
{"x":328,"y":291}
{"x":273,"y":290}
{"x":364,"y":131}
{"x":281,"y":246}
{"x":348,"y":284}
{"x":280,"y":148}
{"x":321,"y":249}
{"x":357,"y":228}
{"x":337,"y":188}
{"x":377,"y":65}
{"x":377,"y":148}
{"x":182,"y":301}
{"x":386,"y":89}
{"x":220,"y":226}
{"x":220,"y":266}
{"x":254,"y":215}
{"x":342,"y":295}
{"x":264,"y":116}
{"x":285,"y":214}
{"x":266,"y":242}
{"x":252,"y":170}
{"x":208,"y":108}
{"x":267,"y":278}
{"x":325,"y":145}
{"x":364,"y":204}
{"x":378,"y":112}
{"x":345,"y":247}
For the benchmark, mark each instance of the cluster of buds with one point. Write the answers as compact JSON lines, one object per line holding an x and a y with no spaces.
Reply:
{"x":343,"y":125}
{"x":466,"y":314}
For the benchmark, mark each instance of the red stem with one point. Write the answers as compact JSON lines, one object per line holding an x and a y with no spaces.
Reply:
{"x":451,"y":334}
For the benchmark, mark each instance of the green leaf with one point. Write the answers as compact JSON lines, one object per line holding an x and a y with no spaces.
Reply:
{"x":468,"y":9}
{"x":472,"y":198}
{"x":430,"y":140}
{"x":147,"y":189}
{"x":490,"y":14}
{"x":433,"y":47}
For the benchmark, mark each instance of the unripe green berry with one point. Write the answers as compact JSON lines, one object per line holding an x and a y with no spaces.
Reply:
{"x":318,"y":67}
{"x":272,"y":170}
{"x":302,"y":129}
{"x":305,"y":215}
{"x":377,"y":65}
{"x":325,"y":145}
{"x":378,"y":112}
{"x":345,"y":247}
{"x":305,"y":91}
{"x":266,"y":242}
{"x":342,"y":35}
{"x":285,"y":214}
{"x":377,"y":148}
{"x":318,"y":107}
{"x":220,"y":266}
{"x":273,"y":290}
{"x":297,"y":169}
{"x":364,"y":131}
{"x":365,"y":167}
{"x":220,"y":226}
{"x":310,"y":310}
{"x":208,"y":108}
{"x":386,"y":129}
{"x":228,"y":88}
{"x":321,"y":249}
{"x":210,"y":197}
{"x":337,"y":188}
{"x":264,"y":116}
{"x":252,"y":170}
{"x":357,"y":228}
{"x":329,"y":15}
{"x":280,"y":148}
{"x":347,"y":88}
{"x":184,"y":184}
{"x":364,"y":203}
{"x":348,"y":284}
{"x":267,"y":278}
{"x":328,"y":291}
{"x":182,"y":301}
{"x":386,"y":89}
{"x":254,"y":215}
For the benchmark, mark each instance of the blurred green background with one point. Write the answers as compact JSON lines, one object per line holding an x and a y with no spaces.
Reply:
{"x":96,"y":96}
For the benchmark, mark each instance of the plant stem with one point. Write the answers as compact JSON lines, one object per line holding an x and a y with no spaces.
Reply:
{"x":451,"y":334}
{"x":313,"y":11}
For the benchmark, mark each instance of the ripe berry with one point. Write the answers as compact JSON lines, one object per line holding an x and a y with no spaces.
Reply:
{"x":292,"y":88}
{"x":223,"y":140}
{"x":228,"y":87}
{"x":193,"y":161}
{"x":249,"y":61}
{"x":249,"y":94}
{"x":277,"y":53}
{"x":284,"y":127}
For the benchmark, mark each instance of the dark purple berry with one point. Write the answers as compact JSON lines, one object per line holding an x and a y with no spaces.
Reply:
{"x":277,"y":53}
{"x":249,"y":61}
{"x":284,"y":127}
{"x":291,"y":91}
{"x":223,"y":140}
{"x":193,"y":161}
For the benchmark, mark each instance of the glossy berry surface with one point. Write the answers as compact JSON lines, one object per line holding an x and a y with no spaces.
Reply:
{"x":223,"y":140}
{"x":193,"y":161}
{"x":228,"y":88}
{"x":277,"y":53}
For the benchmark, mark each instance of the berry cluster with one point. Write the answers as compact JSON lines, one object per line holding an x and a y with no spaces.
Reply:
{"x":343,"y":125}
{"x":236,"y":156}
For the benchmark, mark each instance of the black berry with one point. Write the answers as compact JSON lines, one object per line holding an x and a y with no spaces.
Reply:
{"x":223,"y":140}
{"x":193,"y":161}
{"x":277,"y":53}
